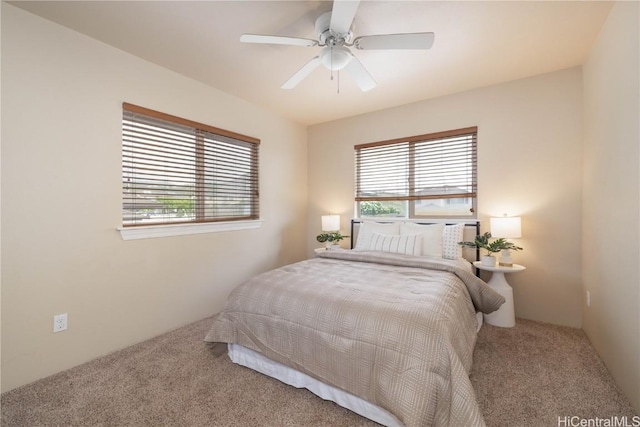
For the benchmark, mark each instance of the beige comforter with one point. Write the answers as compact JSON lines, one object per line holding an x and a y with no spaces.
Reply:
{"x":395,"y":330}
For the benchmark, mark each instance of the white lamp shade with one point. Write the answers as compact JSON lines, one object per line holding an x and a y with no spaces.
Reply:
{"x":330,"y":222}
{"x":507,"y":227}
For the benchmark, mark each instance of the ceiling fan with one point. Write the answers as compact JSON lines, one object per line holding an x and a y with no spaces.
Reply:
{"x":335,"y":37}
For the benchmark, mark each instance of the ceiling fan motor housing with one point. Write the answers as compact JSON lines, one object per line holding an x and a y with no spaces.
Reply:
{"x":328,"y":37}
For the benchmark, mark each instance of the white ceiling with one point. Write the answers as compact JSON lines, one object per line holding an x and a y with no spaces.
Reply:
{"x":476,"y":44}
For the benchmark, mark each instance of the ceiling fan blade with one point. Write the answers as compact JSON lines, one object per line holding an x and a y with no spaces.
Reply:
{"x":302,"y":73}
{"x":360,"y":74}
{"x":342,"y":15}
{"x":395,"y":41}
{"x":291,"y":41}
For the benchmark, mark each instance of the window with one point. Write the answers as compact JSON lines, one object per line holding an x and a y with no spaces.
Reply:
{"x":177,"y":171}
{"x":422,"y":176}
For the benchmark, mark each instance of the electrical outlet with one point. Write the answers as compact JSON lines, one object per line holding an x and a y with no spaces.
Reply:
{"x":588,"y":299}
{"x":60,"y":322}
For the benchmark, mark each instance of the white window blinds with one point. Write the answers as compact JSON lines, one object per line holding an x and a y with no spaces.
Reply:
{"x":178,"y":171}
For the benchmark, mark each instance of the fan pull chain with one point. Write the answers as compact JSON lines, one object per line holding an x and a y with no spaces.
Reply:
{"x":337,"y":71}
{"x":331,"y":59}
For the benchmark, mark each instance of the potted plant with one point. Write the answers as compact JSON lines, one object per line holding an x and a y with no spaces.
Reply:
{"x":482,"y":242}
{"x":331,"y":239}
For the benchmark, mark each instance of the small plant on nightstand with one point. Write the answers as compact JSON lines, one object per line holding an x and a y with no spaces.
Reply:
{"x":332,"y":238}
{"x":482,"y":242}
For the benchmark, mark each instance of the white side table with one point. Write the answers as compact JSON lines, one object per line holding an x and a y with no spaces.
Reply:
{"x":505,"y":316}
{"x":320,"y":250}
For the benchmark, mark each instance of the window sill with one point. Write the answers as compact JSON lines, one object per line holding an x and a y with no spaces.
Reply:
{"x":154,"y":231}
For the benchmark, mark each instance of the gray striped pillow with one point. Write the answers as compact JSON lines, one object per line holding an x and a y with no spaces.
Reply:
{"x":407,"y":244}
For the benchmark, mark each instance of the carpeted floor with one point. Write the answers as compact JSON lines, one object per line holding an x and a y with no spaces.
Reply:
{"x":524,"y":376}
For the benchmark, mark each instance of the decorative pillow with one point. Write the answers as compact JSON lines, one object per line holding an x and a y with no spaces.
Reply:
{"x":431,"y":237}
{"x":451,"y":235}
{"x":408,"y":245}
{"x":366,"y":229}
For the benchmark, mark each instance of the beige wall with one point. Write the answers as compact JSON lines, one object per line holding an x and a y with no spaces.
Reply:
{"x":529,"y":154}
{"x":61,"y":107}
{"x":611,"y":209}
{"x":61,"y":202}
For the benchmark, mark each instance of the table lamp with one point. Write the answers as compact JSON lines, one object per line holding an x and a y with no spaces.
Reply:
{"x":506,"y":227}
{"x":330,"y":224}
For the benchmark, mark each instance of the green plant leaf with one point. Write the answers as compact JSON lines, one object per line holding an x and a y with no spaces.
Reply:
{"x":482,"y":242}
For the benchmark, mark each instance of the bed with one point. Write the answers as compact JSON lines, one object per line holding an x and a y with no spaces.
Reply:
{"x":386,"y":329}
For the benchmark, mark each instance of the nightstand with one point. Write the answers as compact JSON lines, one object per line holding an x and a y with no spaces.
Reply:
{"x":320,"y":250}
{"x":505,"y":317}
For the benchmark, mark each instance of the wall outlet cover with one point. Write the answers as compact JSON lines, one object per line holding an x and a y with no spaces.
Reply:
{"x":60,"y":322}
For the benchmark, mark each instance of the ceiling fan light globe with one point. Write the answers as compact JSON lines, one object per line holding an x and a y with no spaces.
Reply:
{"x":335,"y":58}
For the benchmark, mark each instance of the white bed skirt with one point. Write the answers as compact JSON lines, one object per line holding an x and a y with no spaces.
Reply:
{"x":251,"y":359}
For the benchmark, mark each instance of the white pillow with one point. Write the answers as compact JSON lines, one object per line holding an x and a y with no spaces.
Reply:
{"x":408,"y":245}
{"x":431,"y":237}
{"x":451,"y":235}
{"x":366,"y":229}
